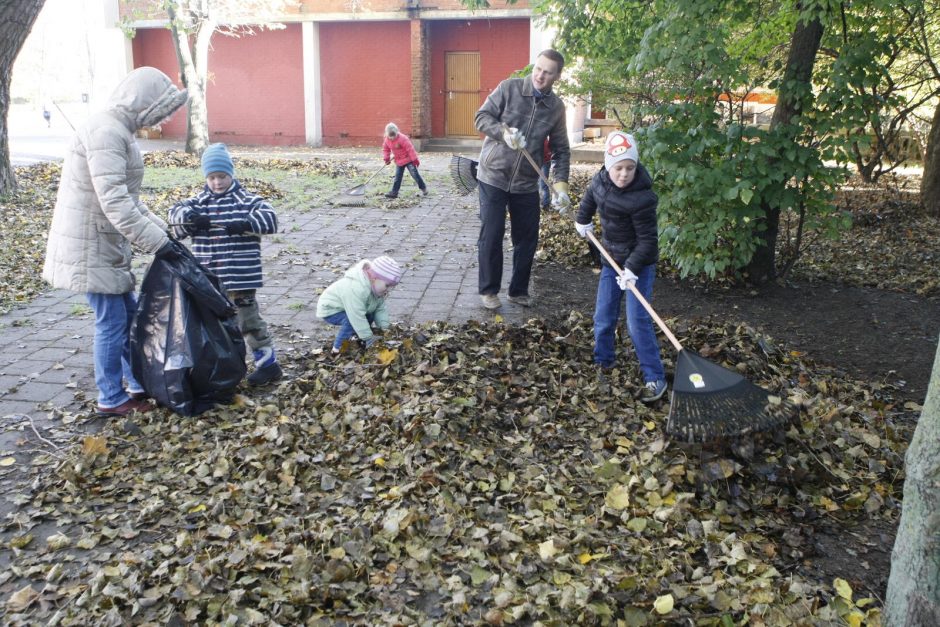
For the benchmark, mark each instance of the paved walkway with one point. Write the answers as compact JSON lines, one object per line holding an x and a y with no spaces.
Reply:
{"x":45,"y":347}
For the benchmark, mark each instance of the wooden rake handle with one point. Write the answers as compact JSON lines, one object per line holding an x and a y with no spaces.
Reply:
{"x":535,"y":166}
{"x":636,"y":293}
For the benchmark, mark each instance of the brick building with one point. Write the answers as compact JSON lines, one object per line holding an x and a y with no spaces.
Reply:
{"x":341,"y":69}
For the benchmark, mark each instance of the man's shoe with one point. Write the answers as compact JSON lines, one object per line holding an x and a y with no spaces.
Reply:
{"x":524,"y":301}
{"x":424,"y":192}
{"x":127,"y":407}
{"x":391,"y":195}
{"x":490,"y":301}
{"x":139,"y":396}
{"x":652,"y":391}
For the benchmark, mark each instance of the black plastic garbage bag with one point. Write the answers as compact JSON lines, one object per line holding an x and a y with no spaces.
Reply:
{"x":186,"y":349}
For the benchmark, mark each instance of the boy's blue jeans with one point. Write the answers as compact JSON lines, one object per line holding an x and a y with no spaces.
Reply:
{"x":413,"y":171}
{"x":112,"y":346}
{"x":346,"y":330}
{"x":639,"y":322}
{"x":524,"y":214}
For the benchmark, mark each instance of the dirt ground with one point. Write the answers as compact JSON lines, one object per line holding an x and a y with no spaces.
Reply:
{"x":872,"y":335}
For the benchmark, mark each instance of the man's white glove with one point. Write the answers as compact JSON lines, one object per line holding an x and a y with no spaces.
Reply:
{"x":561,"y":201}
{"x":513,"y":138}
{"x":626,"y":279}
{"x":584,"y":229}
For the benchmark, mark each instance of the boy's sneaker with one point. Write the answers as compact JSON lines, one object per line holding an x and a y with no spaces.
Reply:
{"x":267,"y":369}
{"x":390,"y":195}
{"x":652,"y":391}
{"x":490,"y":301}
{"x":127,"y":407}
{"x":424,"y":192}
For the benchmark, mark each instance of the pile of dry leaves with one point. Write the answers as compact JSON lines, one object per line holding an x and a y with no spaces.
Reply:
{"x":461,"y":474}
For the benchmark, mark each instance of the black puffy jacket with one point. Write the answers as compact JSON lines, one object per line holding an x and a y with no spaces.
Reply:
{"x":628,"y":218}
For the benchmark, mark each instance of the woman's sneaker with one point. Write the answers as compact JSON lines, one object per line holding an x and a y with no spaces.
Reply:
{"x":652,"y":391}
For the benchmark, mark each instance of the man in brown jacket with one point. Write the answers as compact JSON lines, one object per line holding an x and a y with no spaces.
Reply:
{"x":98,"y":215}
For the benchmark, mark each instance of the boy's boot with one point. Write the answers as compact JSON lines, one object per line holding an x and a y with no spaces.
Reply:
{"x":267,"y":370}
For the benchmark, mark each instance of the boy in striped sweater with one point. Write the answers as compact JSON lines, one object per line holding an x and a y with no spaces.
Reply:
{"x":226,"y":223}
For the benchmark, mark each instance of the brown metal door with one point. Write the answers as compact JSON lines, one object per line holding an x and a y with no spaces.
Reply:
{"x":462,"y":93}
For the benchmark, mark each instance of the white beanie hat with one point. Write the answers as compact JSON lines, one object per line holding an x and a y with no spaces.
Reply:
{"x":619,"y":146}
{"x":386,"y":269}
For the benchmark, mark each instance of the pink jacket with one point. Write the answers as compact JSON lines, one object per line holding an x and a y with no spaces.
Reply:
{"x":401,"y":148}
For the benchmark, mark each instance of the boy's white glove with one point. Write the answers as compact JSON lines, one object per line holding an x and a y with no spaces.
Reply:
{"x":584,"y":229}
{"x":513,"y":138}
{"x":561,"y":201}
{"x":626,"y":279}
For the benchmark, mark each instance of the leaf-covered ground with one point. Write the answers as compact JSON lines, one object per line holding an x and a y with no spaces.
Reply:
{"x":475,"y":474}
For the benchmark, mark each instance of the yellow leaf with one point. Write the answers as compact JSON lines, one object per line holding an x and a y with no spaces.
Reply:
{"x":584,"y":558}
{"x":843,"y":589}
{"x":94,"y":446}
{"x":664,"y":604}
{"x":379,"y":461}
{"x":7,"y":461}
{"x":497,"y":318}
{"x":199,"y":508}
{"x":21,"y":599}
{"x":854,"y":619}
{"x":649,"y":424}
{"x":387,"y":356}
{"x":338,"y":553}
{"x":618,"y":497}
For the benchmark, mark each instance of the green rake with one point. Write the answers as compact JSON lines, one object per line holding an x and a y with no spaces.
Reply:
{"x":710,"y":401}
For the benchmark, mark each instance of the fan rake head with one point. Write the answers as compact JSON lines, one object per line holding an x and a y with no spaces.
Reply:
{"x":464,"y":173}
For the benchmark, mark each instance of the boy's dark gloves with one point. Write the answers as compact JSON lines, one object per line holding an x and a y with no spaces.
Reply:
{"x":237,"y":227}
{"x":201,"y":222}
{"x":169,"y":251}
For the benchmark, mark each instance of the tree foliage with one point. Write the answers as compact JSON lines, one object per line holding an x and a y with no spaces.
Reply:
{"x":16,"y":20}
{"x":680,"y":73}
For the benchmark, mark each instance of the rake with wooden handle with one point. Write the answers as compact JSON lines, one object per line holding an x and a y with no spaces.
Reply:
{"x":710,"y":401}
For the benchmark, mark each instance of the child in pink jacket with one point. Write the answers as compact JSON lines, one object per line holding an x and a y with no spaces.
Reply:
{"x":398,"y":145}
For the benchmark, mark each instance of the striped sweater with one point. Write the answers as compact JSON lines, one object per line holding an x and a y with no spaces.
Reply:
{"x":236,"y":259}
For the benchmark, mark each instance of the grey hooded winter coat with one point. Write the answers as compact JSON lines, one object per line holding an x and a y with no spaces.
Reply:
{"x":98,"y":213}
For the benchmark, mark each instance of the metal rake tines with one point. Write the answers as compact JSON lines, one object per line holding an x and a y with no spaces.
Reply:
{"x":739,"y":410}
{"x":463,"y":171}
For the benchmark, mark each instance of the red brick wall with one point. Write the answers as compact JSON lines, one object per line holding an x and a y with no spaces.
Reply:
{"x":503,"y":46}
{"x":261,"y":102}
{"x":365,"y":81}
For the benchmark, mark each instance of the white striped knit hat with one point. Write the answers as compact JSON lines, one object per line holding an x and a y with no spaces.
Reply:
{"x":386,"y":269}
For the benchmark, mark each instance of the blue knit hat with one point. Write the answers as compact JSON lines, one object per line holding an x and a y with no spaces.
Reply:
{"x":215,"y":158}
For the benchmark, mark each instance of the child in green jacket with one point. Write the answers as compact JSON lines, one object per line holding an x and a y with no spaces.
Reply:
{"x":357,"y":301}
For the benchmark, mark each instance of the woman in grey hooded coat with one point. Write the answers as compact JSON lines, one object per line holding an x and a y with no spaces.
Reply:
{"x":98,"y":215}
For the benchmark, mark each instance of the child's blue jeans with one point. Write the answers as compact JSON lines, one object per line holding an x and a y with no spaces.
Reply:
{"x":112,"y":346}
{"x":639,"y":323}
{"x":413,"y":171}
{"x":346,"y":330}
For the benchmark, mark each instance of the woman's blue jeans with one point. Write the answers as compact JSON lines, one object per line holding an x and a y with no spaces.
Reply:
{"x":413,"y":171}
{"x":639,"y":323}
{"x":112,"y":347}
{"x":346,"y":329}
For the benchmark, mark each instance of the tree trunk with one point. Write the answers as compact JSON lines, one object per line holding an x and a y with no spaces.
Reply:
{"x":913,"y":596}
{"x":194,"y":67}
{"x":930,"y":184}
{"x":795,"y":88}
{"x":16,"y":20}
